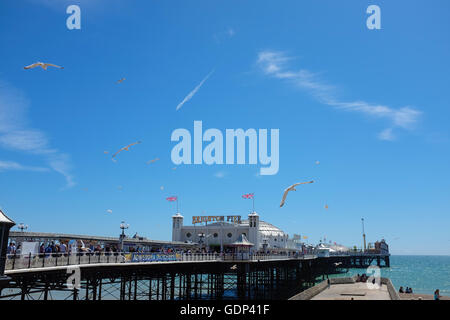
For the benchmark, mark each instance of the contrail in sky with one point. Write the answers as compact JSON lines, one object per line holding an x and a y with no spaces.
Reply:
{"x":193,"y":92}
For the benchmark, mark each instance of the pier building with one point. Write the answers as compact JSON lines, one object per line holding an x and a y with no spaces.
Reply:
{"x":222,"y":232}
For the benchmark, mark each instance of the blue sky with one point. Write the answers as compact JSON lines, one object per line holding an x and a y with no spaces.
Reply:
{"x":370,"y":105}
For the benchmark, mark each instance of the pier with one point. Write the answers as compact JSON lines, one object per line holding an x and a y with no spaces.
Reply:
{"x":133,"y":276}
{"x":198,"y":277}
{"x":144,"y":269}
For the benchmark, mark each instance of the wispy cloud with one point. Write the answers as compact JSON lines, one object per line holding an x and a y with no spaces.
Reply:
{"x":61,"y":164}
{"x":193,"y":92}
{"x":219,"y":36}
{"x":386,"y":134}
{"x":17,"y":135}
{"x":220,"y":174}
{"x":11,"y":165}
{"x":275,"y":64}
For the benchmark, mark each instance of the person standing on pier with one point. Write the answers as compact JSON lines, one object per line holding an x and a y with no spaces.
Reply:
{"x":436,"y":295}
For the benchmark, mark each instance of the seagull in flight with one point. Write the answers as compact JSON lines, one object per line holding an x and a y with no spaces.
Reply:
{"x":151,"y":161}
{"x":125,"y":148}
{"x":43,"y":65}
{"x":291,"y":188}
{"x":120,"y":81}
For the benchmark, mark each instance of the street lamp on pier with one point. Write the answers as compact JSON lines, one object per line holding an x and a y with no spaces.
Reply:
{"x":22,"y":227}
{"x":123,"y":226}
{"x":201,"y":236}
{"x":364,"y":234}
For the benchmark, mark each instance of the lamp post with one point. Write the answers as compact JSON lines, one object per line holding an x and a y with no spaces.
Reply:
{"x":265,"y":244}
{"x":22,"y":226}
{"x":201,"y":235}
{"x":5,"y":225}
{"x":364,"y":235}
{"x":123,"y":226}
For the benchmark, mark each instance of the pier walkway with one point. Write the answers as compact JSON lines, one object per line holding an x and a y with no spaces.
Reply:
{"x":43,"y":261}
{"x":349,"y":289}
{"x":353,"y":291}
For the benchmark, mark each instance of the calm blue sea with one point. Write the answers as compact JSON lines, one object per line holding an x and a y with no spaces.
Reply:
{"x":424,"y":274}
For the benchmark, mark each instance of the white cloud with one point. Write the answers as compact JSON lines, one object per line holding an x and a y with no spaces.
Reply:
{"x":386,"y":134}
{"x":33,"y":141}
{"x":219,"y":36}
{"x":193,"y":92}
{"x":60,"y":163}
{"x":16,"y":135}
{"x":220,"y":174}
{"x":11,"y":165}
{"x":274,"y":63}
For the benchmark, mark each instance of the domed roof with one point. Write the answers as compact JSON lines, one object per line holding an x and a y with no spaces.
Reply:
{"x":267,"y":229}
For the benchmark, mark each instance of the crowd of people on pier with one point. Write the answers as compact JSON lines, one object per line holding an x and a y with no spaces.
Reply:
{"x":57,"y":248}
{"x":11,"y":249}
{"x":407,"y":290}
{"x":362,"y":278}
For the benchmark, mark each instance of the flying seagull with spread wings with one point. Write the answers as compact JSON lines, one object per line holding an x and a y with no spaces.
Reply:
{"x":43,"y":65}
{"x":291,"y":188}
{"x":125,"y":148}
{"x":120,"y":81}
{"x":151,"y":161}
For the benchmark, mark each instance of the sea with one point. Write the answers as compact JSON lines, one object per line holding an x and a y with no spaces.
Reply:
{"x":424,"y":274}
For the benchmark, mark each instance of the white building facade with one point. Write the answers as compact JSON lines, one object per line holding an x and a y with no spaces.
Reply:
{"x":219,"y":235}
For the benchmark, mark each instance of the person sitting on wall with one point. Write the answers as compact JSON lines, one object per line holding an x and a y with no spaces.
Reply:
{"x":401,"y":290}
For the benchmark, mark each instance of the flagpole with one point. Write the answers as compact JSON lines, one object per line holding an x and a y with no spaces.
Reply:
{"x":253,"y":198}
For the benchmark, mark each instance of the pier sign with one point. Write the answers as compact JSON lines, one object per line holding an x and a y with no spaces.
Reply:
{"x":151,"y":257}
{"x":201,"y":219}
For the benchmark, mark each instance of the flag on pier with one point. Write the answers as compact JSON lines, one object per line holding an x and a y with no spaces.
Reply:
{"x":250,"y":196}
{"x":173,"y":198}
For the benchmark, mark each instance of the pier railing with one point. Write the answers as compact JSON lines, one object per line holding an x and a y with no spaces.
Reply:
{"x":46,"y":260}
